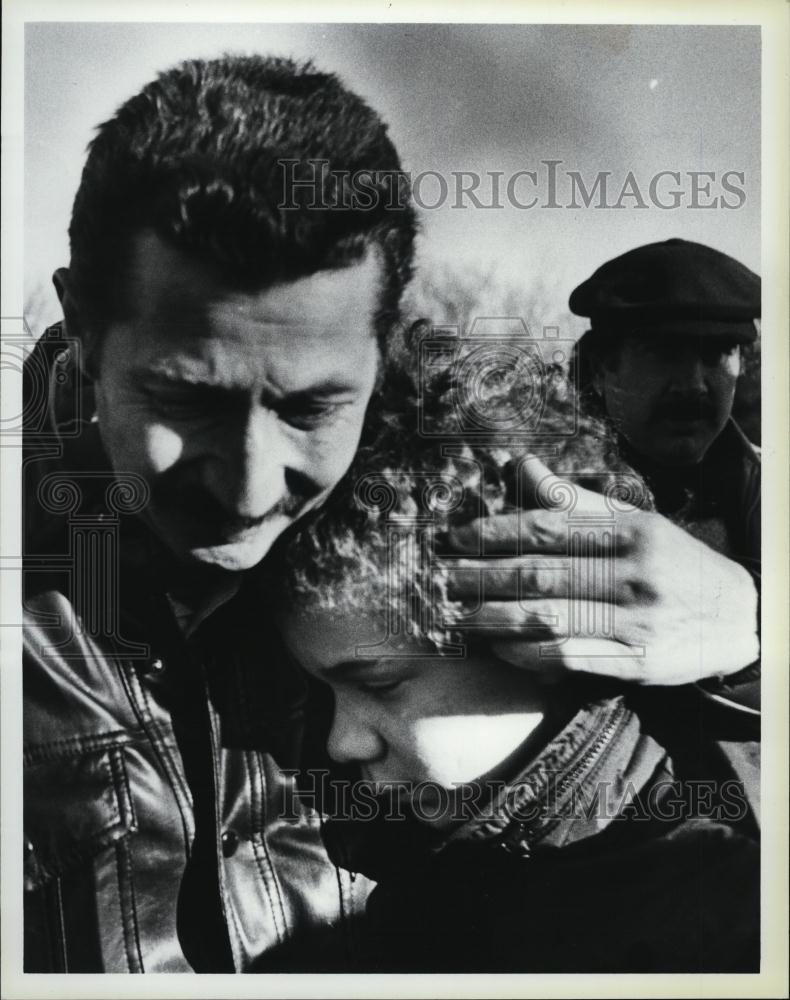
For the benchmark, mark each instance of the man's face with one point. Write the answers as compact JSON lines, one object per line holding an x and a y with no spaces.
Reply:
{"x":419,"y":719}
{"x":670,"y":397}
{"x":240,"y":410}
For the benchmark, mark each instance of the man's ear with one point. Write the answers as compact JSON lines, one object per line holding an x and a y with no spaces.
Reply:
{"x":74,"y":326}
{"x":61,"y":279}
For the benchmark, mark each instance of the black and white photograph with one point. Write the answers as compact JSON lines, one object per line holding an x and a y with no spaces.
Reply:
{"x":385,"y":407}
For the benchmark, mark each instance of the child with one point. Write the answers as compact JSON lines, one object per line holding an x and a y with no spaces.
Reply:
{"x":516,"y":826}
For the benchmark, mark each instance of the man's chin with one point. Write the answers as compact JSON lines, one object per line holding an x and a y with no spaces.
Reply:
{"x":678,"y":459}
{"x":241,"y":553}
{"x":233,"y":558}
{"x":679,"y":449}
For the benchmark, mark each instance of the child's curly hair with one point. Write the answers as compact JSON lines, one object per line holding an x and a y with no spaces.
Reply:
{"x":417,"y":474}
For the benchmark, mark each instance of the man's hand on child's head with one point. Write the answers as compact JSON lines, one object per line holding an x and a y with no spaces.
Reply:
{"x":581,"y":582}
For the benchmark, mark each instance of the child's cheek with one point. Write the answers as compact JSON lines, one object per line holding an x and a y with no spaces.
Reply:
{"x":454,"y":749}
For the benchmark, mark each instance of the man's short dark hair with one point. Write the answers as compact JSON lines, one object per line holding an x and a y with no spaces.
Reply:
{"x":196,"y":156}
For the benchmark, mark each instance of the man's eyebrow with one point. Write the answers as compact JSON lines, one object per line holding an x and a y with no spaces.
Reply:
{"x":168,"y":375}
{"x":330,"y":386}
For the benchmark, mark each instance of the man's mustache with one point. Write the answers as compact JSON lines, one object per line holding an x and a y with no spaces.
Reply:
{"x":685,"y":408}
{"x":196,"y":504}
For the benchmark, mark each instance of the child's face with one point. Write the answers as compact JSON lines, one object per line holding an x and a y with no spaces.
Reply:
{"x":421,"y":719}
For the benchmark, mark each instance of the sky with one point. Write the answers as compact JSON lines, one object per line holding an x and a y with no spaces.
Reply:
{"x":460,"y":97}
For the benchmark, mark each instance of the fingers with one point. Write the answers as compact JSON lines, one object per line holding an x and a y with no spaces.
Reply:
{"x":506,"y":579}
{"x":526,"y":655}
{"x":536,"y":619}
{"x":553,"y":661}
{"x":546,"y":503}
{"x":655,"y":662}
{"x":541,"y":532}
{"x":537,"y":486}
{"x":483,"y":580}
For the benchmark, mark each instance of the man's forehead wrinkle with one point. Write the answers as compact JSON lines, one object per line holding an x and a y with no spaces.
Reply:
{"x":180,"y":370}
{"x":312,"y":337}
{"x":154,"y":259}
{"x":294,"y":318}
{"x":241,"y":314}
{"x":212,"y":371}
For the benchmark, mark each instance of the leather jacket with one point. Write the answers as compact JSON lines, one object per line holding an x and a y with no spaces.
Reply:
{"x":161,"y":829}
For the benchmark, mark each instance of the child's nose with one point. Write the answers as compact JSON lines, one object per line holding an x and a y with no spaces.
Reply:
{"x":353,"y":736}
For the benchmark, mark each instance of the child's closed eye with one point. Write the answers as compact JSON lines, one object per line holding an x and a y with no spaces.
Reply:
{"x":381,"y":685}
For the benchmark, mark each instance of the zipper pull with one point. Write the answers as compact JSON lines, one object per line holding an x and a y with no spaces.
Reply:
{"x":517,"y":842}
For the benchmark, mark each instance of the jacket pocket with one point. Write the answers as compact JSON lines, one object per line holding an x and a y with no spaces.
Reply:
{"x":80,"y":914}
{"x":74,"y":807}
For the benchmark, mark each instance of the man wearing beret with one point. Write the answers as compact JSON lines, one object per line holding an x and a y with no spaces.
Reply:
{"x":669,"y":324}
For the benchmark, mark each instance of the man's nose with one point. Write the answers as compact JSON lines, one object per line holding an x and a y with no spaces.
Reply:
{"x":353,"y":738}
{"x":248,"y":469}
{"x":690,"y":375}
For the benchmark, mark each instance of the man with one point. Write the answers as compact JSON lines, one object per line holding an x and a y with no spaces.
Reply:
{"x":231,"y":347}
{"x":669,"y":323}
{"x":228,"y":328}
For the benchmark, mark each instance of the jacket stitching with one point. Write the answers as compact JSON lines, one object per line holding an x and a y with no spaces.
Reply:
{"x":61,"y":924}
{"x":121,"y":824}
{"x":228,"y":915}
{"x":260,"y":851}
{"x":121,"y":783}
{"x":72,"y":746}
{"x":345,"y":889}
{"x":131,"y":931}
{"x":233,"y":918}
{"x":141,"y":702}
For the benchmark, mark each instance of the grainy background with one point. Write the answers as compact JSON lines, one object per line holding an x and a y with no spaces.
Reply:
{"x":457,"y":97}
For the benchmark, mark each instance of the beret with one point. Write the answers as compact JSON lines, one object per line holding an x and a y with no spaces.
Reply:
{"x":675,"y":287}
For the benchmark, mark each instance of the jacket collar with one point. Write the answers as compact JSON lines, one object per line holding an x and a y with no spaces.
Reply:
{"x":571,"y":791}
{"x":575,"y":787}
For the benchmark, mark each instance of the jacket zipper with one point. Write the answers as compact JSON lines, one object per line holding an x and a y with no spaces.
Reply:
{"x":596,"y":749}
{"x":522,"y":844}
